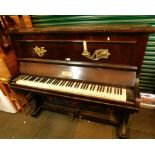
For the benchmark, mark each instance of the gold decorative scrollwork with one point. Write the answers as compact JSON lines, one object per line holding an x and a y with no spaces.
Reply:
{"x":98,"y":54}
{"x":40,"y":51}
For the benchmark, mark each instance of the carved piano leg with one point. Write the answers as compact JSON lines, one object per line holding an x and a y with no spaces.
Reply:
{"x":123,"y":126}
{"x":39,"y":105}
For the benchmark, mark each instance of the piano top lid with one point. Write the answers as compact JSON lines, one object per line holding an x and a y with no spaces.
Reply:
{"x":130,"y":28}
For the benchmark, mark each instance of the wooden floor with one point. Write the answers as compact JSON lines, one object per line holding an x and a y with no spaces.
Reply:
{"x":52,"y":125}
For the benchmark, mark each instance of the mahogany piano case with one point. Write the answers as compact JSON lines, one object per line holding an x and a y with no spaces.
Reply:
{"x":84,"y":64}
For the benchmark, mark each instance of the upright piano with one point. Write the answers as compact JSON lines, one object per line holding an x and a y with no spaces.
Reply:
{"x":96,"y":67}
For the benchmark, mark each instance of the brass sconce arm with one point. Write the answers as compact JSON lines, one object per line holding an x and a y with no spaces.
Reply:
{"x":98,"y":54}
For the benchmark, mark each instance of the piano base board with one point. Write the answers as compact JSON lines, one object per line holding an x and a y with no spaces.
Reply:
{"x":108,"y":115}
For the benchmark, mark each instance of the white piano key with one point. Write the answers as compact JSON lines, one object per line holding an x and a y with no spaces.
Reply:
{"x":123,"y":96}
{"x":67,"y":86}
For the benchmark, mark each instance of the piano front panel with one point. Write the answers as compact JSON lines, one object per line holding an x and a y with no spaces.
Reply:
{"x":62,"y":50}
{"x":123,"y":47}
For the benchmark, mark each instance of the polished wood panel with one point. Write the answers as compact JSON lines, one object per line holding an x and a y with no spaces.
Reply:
{"x":109,"y":74}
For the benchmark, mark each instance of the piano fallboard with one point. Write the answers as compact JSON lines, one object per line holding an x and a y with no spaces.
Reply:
{"x":102,"y":73}
{"x":108,"y":85}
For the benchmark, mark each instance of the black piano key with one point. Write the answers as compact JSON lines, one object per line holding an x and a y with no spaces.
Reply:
{"x":43,"y":80}
{"x":107,"y":89}
{"x":27,"y":78}
{"x":101,"y":89}
{"x":63,"y":83}
{"x":84,"y":86}
{"x":49,"y":81}
{"x":76,"y":85}
{"x":34,"y":78}
{"x":93,"y":87}
{"x":68,"y":83}
{"x":120,"y":91}
{"x":114,"y":90}
{"x":81,"y":85}
{"x":23,"y":77}
{"x":98,"y":88}
{"x":37,"y":79}
{"x":72,"y":84}
{"x":57,"y":82}
{"x":53,"y":81}
{"x":87,"y":85}
{"x":110,"y":90}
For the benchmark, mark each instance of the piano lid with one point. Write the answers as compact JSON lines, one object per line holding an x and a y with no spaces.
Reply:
{"x":129,"y":28}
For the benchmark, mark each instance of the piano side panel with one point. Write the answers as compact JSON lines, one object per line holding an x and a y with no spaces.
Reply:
{"x":109,"y":76}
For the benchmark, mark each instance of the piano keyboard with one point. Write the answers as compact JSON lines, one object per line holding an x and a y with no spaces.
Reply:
{"x":73,"y":87}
